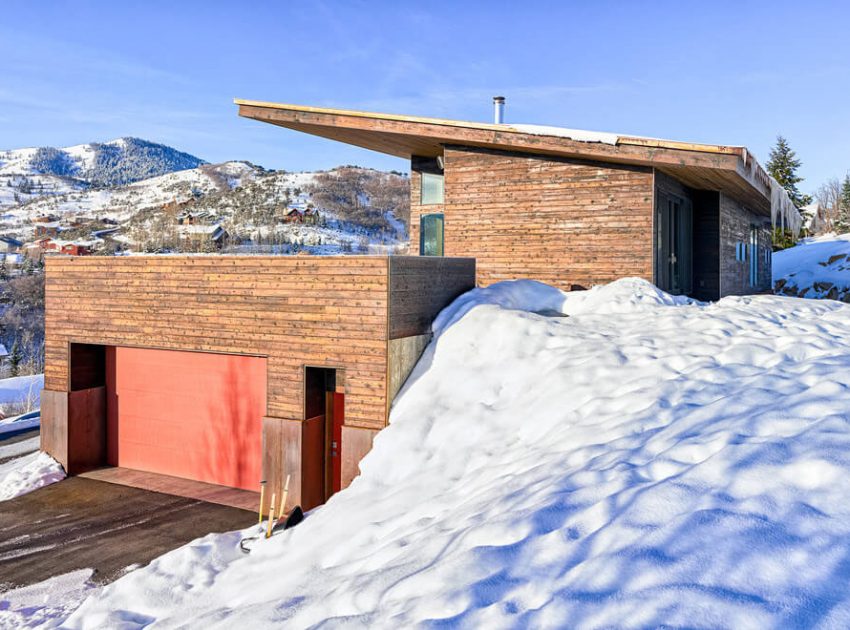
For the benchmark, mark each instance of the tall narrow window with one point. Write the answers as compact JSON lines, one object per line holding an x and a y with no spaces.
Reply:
{"x":432,"y":189}
{"x":754,"y":257}
{"x":431,"y":235}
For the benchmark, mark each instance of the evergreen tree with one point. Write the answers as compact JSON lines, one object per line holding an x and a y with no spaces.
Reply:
{"x":782,"y":165}
{"x":15,"y":358}
{"x":842,"y":221}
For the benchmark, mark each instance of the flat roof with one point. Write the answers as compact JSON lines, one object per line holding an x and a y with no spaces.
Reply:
{"x":729,"y":169}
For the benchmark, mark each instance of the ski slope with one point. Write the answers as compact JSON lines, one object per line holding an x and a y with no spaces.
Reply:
{"x":644,"y":461}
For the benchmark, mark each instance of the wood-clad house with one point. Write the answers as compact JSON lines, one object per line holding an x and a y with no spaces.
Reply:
{"x":225,"y":370}
{"x":595,"y":207}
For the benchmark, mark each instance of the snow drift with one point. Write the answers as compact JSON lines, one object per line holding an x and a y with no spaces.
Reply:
{"x":814,"y":268}
{"x":645,"y":461}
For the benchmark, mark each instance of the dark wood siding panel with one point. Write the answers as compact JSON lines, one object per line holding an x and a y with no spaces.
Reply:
{"x":420,"y":287}
{"x":706,"y":234}
{"x":561,"y":221}
{"x":318,"y":311}
{"x":735,"y":222}
{"x":706,"y":245}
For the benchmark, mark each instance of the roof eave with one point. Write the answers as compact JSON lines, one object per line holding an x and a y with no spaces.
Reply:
{"x":405,"y":136}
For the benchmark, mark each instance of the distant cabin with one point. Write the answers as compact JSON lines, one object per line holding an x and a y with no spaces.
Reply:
{"x":47,"y":229}
{"x":203,"y":236}
{"x":309,"y":216}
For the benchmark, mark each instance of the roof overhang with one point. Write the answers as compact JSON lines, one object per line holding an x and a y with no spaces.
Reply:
{"x":731,"y":170}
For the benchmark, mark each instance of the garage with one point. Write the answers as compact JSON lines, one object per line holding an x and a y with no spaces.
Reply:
{"x":192,"y":415}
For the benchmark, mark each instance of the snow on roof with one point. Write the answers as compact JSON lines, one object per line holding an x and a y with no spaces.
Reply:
{"x":562,"y":132}
{"x":201,"y":229}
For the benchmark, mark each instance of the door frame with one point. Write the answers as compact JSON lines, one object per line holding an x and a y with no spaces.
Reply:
{"x":674,"y":234}
{"x":333,"y":420}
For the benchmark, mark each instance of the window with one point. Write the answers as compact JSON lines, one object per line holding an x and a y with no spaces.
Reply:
{"x":754,"y":257}
{"x":432,"y":189}
{"x":431,"y":235}
{"x":741,"y":251}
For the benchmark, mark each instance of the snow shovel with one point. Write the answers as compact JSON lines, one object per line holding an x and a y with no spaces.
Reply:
{"x":295,"y":516}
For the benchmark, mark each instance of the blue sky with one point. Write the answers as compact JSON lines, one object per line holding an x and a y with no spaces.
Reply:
{"x":717,"y":72}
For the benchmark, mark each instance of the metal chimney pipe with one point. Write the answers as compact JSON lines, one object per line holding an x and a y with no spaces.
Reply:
{"x":499,"y":109}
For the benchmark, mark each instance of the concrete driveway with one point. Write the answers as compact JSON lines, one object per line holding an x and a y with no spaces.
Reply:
{"x":83,"y":523}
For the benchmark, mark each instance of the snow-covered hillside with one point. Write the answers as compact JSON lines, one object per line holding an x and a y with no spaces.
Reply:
{"x":26,"y":174}
{"x":126,"y":196}
{"x":122,"y":202}
{"x":643,"y":462}
{"x":814,"y":268}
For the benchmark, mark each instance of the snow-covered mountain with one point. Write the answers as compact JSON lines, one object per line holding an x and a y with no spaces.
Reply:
{"x":141,"y":187}
{"x":95,"y":164}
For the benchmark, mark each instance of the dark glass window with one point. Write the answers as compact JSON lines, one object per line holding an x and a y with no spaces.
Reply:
{"x":431,"y":235}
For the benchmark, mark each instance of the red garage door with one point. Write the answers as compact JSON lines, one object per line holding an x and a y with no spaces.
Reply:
{"x":188,"y":414}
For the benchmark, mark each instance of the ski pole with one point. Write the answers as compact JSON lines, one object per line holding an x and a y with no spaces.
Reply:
{"x":284,"y":497}
{"x":271,"y":517}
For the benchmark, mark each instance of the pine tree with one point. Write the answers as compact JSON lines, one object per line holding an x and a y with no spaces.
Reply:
{"x":782,"y":165}
{"x":15,"y":358}
{"x":842,"y":221}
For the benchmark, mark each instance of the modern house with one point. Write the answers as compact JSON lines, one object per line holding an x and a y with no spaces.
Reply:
{"x":595,"y":206}
{"x":226,"y":370}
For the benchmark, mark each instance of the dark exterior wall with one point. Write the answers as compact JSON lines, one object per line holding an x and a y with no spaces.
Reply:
{"x":706,"y":245}
{"x":420,"y":287}
{"x":560,"y":221}
{"x":735,"y":222}
{"x":706,"y":234}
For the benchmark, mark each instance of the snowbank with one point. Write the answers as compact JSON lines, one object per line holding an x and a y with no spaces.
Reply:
{"x":644,"y":461}
{"x":814,"y":268}
{"x":27,"y":473}
{"x":47,"y":604}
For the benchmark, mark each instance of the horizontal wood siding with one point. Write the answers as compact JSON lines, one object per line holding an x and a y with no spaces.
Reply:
{"x":420,"y":287}
{"x":320,"y":311}
{"x":735,"y":222}
{"x":561,"y":221}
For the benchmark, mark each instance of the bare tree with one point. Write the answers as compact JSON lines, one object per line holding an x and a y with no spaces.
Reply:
{"x":828,"y":195}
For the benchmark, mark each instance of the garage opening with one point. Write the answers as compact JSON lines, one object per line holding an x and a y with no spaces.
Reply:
{"x":324,"y":410}
{"x":191,"y":415}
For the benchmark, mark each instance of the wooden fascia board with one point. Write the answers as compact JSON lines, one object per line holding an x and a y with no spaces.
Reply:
{"x":398,"y":135}
{"x":490,"y":136}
